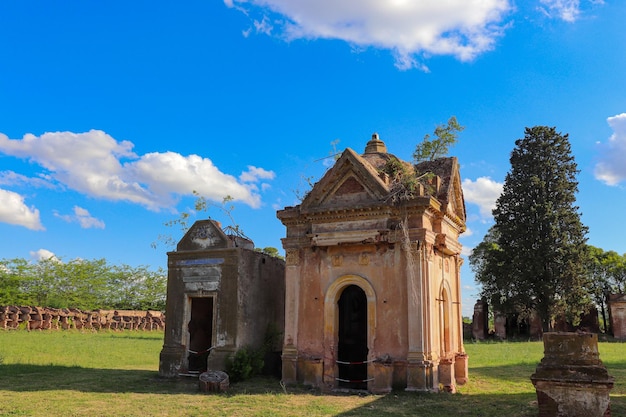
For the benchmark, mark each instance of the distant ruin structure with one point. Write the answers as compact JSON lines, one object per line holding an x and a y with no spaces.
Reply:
{"x":617,"y":315}
{"x":515,"y":325}
{"x":222,"y":295}
{"x":480,"y":320}
{"x":373,"y":298}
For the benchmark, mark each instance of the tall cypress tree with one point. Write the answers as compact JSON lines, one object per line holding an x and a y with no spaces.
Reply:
{"x":538,"y":260}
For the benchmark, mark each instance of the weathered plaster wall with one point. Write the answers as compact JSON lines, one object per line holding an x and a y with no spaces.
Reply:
{"x":246,"y":288}
{"x":403,"y":256}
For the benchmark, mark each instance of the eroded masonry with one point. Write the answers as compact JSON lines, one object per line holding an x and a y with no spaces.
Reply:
{"x":372,"y":286}
{"x":222,"y":295}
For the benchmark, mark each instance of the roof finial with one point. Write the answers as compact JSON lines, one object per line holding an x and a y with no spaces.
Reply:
{"x":375,"y":145}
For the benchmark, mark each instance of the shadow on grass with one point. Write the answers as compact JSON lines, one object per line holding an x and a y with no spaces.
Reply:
{"x":445,"y":405}
{"x":25,"y":378}
{"x":31,"y":378}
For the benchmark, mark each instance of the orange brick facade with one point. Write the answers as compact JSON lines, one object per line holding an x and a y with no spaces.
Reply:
{"x":372,"y":288}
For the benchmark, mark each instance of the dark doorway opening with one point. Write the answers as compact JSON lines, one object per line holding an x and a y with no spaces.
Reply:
{"x":200,"y":333}
{"x":352,"y":344}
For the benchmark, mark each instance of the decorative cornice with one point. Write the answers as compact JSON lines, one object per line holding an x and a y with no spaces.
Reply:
{"x":347,"y":237}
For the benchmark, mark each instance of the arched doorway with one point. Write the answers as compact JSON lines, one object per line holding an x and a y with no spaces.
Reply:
{"x":352,"y":346}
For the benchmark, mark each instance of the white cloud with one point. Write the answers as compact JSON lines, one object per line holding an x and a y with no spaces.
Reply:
{"x":460,"y":28}
{"x":13,"y":210}
{"x":466,"y":251}
{"x":254,"y":174}
{"x":42,"y":255}
{"x":97,"y":165}
{"x":82,"y":217}
{"x":263,"y":26}
{"x":15,"y":179}
{"x":483,"y":192}
{"x":567,"y":10}
{"x":611,"y":168}
{"x":467,"y":233}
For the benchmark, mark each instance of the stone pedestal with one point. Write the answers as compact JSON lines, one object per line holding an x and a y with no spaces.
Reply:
{"x":571,"y":381}
{"x":170,"y":361}
{"x":446,"y":374}
{"x":461,"y":368}
{"x":289,"y":365}
{"x":310,"y":371}
{"x":382,"y":377}
{"x":422,"y":376}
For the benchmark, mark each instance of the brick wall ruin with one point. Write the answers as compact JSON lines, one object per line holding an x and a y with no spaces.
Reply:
{"x":47,"y":318}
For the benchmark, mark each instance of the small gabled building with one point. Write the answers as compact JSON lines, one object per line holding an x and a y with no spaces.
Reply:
{"x":373,"y":297}
{"x":222,"y":295}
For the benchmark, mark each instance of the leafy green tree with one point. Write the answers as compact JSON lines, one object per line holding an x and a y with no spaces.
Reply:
{"x":136,"y":288}
{"x":12,"y":272}
{"x":79,"y":284}
{"x":40,"y":284}
{"x":541,"y":245}
{"x":599,"y":281}
{"x":445,"y":137}
{"x":607,"y":275}
{"x":270,"y":251}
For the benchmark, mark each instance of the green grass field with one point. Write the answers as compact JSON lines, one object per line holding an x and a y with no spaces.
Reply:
{"x":70,"y":373}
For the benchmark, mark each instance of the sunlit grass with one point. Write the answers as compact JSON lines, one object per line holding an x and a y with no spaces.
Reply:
{"x":116,"y":374}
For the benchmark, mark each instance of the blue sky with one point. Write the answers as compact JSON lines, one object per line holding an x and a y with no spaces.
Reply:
{"x":112,"y":113}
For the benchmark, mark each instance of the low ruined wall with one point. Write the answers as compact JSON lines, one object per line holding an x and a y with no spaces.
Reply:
{"x":46,"y":318}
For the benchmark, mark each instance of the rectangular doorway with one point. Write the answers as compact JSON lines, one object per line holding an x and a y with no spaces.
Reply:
{"x":200,"y":329}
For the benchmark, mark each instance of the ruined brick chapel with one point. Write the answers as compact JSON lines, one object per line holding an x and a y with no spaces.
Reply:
{"x":370,"y":293}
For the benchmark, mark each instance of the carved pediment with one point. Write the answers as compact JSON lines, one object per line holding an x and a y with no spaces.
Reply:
{"x":456,"y":202}
{"x":352,"y":181}
{"x":203,"y":235}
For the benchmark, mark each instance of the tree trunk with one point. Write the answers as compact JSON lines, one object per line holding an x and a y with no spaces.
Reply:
{"x":604,"y":322}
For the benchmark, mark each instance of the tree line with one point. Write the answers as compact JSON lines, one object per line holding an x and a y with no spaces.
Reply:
{"x":83,"y":284}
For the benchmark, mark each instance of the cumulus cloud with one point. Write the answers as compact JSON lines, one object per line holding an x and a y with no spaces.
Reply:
{"x":13,"y":210}
{"x":95,"y":164}
{"x":42,"y":255}
{"x":610,"y":168}
{"x":567,"y":10}
{"x":483,"y":192}
{"x":83,"y":218}
{"x":459,"y":28}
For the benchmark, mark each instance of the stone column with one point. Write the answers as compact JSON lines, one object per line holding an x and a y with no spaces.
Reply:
{"x":499,"y":324}
{"x":172,"y":355}
{"x":571,"y":381}
{"x":292,"y":297}
{"x":421,"y":369}
{"x":617,"y":312}
{"x":480,"y":324}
